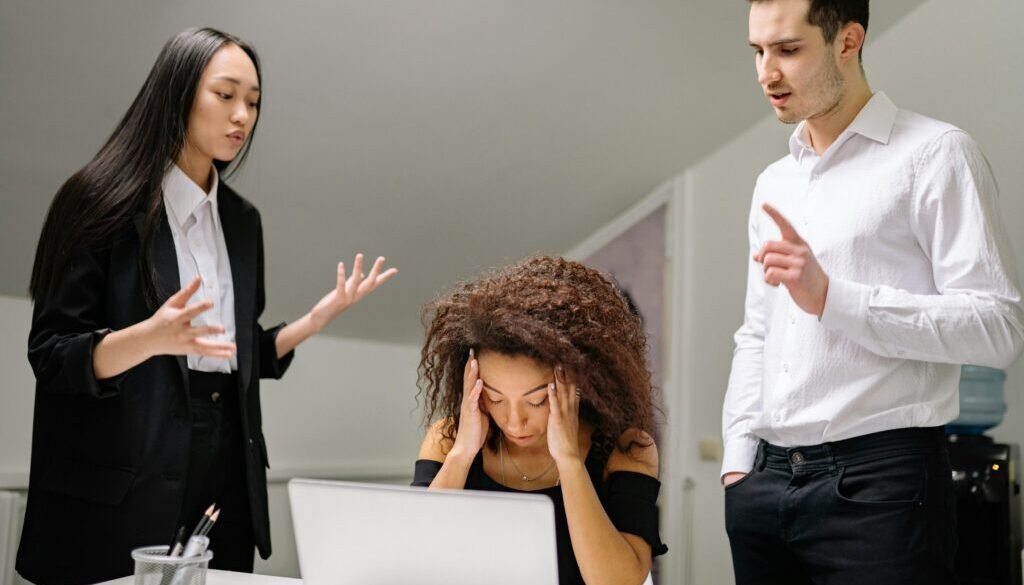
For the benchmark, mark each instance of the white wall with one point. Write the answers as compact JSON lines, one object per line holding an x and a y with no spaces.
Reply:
{"x":346,"y":409}
{"x":953,"y":60}
{"x":17,"y":391}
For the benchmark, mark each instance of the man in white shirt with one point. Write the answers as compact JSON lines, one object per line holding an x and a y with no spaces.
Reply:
{"x":882,"y":228}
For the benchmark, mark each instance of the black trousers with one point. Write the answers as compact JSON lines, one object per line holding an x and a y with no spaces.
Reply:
{"x":216,"y":472}
{"x":873,"y":510}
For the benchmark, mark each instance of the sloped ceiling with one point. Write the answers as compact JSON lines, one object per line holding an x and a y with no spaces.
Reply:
{"x":449,"y":136}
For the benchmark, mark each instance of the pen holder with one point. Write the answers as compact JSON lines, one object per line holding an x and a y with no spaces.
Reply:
{"x":154,"y":567}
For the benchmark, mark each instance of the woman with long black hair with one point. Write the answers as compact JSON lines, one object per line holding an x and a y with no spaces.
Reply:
{"x":145,"y":341}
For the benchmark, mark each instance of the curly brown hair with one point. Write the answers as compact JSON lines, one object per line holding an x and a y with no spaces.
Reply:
{"x":555,"y":311}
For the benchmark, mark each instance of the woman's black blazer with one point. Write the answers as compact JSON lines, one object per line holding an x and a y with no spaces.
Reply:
{"x":110,"y":457}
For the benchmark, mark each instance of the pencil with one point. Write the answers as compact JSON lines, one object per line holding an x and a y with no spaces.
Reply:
{"x":209,"y":525}
{"x":203,"y":521}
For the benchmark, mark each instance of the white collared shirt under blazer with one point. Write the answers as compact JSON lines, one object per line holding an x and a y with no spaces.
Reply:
{"x":201,"y":251}
{"x":901,"y":213}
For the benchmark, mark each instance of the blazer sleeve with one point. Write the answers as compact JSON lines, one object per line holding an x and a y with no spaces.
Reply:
{"x":66,"y":326}
{"x":270,"y":365}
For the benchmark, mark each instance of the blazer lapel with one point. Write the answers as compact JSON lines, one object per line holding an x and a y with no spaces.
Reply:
{"x":240,"y":239}
{"x":166,"y":279}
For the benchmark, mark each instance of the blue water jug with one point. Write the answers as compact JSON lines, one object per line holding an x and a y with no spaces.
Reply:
{"x":982,"y":403}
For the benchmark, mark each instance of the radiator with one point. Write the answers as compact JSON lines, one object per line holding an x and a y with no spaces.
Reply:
{"x":12,"y":512}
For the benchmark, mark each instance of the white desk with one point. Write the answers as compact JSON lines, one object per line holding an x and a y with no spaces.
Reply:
{"x":215,"y":577}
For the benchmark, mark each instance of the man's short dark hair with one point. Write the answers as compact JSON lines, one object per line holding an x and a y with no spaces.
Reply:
{"x":832,"y":15}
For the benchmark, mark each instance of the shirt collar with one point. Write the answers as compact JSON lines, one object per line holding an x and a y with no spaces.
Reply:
{"x":874,"y":121}
{"x":183,"y":196}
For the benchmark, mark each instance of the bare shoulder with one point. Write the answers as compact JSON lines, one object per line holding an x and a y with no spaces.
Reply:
{"x":640,"y":456}
{"x":435,"y":445}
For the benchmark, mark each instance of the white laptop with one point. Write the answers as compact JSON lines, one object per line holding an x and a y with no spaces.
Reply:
{"x":370,"y":534}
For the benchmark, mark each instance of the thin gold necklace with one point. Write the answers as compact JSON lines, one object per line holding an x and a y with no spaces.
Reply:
{"x":501,"y":458}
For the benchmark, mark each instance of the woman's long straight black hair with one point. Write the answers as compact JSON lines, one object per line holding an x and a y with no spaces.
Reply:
{"x":124,"y":177}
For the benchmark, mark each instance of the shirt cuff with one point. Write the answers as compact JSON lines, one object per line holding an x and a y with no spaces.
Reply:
{"x":739,"y":454}
{"x":846,"y":307}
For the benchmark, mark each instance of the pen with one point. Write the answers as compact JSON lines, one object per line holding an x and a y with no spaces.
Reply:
{"x":178,"y":543}
{"x":177,"y":547}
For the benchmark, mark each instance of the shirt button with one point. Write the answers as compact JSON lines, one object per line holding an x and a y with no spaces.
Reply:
{"x":785,"y":368}
{"x":792,"y":319}
{"x":796,"y":458}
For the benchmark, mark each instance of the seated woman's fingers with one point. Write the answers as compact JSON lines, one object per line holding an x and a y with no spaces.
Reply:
{"x":472,"y":385}
{"x":556,"y":402}
{"x":470,"y":375}
{"x":474,"y":396}
{"x":565,"y":391}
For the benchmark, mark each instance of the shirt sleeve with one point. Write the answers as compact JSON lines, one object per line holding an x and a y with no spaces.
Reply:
{"x":743,"y":395}
{"x":976,"y":317}
{"x":632,"y":506}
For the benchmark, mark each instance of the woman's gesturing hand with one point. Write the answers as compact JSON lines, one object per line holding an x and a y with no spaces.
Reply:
{"x":473,"y":421}
{"x":170,"y":332}
{"x":349,"y":290}
{"x":564,"y":419}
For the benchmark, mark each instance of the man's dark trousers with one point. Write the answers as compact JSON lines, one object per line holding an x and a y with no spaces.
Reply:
{"x":877,"y":509}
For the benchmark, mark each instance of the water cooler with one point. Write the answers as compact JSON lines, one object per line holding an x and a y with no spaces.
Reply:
{"x":988,"y":484}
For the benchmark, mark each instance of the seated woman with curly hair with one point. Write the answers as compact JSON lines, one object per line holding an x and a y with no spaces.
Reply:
{"x":537,"y":377}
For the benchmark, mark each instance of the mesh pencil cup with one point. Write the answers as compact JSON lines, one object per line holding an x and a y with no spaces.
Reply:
{"x":154,"y":567}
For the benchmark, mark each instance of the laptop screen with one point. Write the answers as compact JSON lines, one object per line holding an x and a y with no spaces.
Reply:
{"x":370,"y":534}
